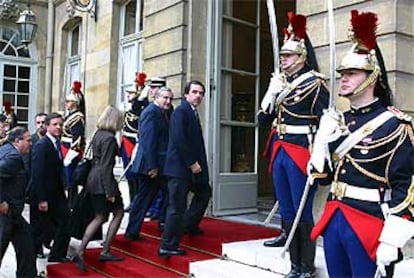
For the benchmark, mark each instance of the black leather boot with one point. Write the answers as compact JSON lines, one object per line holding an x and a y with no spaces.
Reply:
{"x":294,"y":253}
{"x":294,"y":272}
{"x":278,"y":241}
{"x":308,"y":250}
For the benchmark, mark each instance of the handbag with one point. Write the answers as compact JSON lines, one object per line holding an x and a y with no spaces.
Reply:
{"x":81,"y":172}
{"x":82,"y":214}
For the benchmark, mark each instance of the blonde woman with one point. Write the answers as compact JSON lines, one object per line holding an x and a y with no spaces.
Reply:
{"x":104,"y":192}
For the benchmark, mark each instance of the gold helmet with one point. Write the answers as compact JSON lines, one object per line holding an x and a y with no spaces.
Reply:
{"x":75,"y":95}
{"x":364,"y":51}
{"x":138,"y":84}
{"x":296,"y":41}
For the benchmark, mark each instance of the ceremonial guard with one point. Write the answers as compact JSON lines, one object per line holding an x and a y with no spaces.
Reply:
{"x":9,"y":113}
{"x":293,"y":103}
{"x":138,"y":101}
{"x":366,"y":156}
{"x":73,"y":137}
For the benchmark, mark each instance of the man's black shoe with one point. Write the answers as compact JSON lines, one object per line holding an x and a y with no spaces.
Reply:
{"x":276,"y":242}
{"x":165,"y":253}
{"x":194,"y":232}
{"x":58,"y":260}
{"x":132,"y":237}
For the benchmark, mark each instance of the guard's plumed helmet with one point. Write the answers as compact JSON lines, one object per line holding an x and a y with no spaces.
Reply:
{"x":296,"y":41}
{"x":295,"y":33}
{"x":75,"y":92}
{"x":138,"y":84}
{"x":366,"y":55}
{"x":75,"y":95}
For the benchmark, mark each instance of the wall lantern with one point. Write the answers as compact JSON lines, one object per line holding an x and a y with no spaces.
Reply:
{"x":27,"y":25}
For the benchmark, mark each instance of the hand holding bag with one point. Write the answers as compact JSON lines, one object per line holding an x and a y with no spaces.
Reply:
{"x":81,"y":172}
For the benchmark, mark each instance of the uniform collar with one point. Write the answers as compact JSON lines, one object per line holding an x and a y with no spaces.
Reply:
{"x":295,"y":75}
{"x":374,"y":105}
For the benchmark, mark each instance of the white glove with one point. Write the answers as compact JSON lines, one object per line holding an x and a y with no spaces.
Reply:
{"x":329,"y":131}
{"x":276,"y":85}
{"x":395,"y":234}
{"x":386,"y":254}
{"x":144,"y":93}
{"x":330,"y":126}
{"x":70,"y":155}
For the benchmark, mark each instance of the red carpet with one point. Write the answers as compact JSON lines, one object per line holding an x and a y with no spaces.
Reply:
{"x":141,"y":258}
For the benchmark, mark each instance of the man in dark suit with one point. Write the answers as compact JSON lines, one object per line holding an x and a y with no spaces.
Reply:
{"x":13,"y":181}
{"x":40,"y":122}
{"x":150,"y":158}
{"x":186,"y":167}
{"x":47,"y":196}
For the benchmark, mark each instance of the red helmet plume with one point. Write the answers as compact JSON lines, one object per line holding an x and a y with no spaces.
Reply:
{"x":364,"y":28}
{"x":76,"y":87}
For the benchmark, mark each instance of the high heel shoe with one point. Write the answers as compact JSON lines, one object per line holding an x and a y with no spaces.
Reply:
{"x":80,"y":263}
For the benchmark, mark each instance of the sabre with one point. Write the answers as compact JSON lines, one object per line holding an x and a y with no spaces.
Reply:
{"x":273,"y":32}
{"x":332,"y":54}
{"x":271,"y":213}
{"x":297,"y":216}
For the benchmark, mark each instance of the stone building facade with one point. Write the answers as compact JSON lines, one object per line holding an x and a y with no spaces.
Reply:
{"x":224,"y":43}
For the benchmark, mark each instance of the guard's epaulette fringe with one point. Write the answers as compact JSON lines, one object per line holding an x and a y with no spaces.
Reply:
{"x":399,"y":114}
{"x":318,"y":74}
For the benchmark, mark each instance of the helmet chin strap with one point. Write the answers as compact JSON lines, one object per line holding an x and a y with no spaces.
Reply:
{"x":301,"y":59}
{"x":371,"y":78}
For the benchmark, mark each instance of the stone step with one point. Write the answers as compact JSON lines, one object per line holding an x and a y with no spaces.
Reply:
{"x":221,"y":268}
{"x":253,"y":253}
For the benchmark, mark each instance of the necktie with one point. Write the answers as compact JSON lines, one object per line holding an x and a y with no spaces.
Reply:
{"x":58,"y":149}
{"x":165,"y":113}
{"x":196,"y":115}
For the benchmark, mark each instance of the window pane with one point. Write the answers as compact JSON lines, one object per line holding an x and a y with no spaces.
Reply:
{"x":238,"y":97}
{"x":22,"y":115}
{"x":241,"y":9}
{"x":23,"y":100}
{"x":23,"y":52}
{"x":9,"y":71}
{"x":24,"y":72}
{"x":240,"y":142}
{"x":9,"y":98}
{"x":130,"y":18}
{"x":75,"y":42}
{"x":23,"y":87}
{"x":242,"y":43}
{"x":242,"y":150}
{"x":141,"y":16}
{"x":9,"y":85}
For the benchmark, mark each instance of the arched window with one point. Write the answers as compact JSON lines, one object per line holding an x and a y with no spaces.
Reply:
{"x":16,"y":72}
{"x":74,"y":55}
{"x":130,"y":51}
